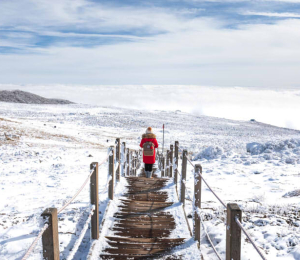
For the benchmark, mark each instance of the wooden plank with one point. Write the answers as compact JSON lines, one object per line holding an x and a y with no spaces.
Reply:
{"x":145,"y":240}
{"x":146,"y":225}
{"x":139,"y":257}
{"x":138,"y":245}
{"x":141,"y":251}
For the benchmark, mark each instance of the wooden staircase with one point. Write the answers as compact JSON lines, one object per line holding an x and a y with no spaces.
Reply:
{"x":141,"y":226}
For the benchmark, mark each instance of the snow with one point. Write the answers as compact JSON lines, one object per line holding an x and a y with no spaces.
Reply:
{"x":249,"y":163}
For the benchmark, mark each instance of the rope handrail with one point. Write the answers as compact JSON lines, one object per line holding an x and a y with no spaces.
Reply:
{"x":76,"y":194}
{"x":83,"y":185}
{"x":190,"y":161}
{"x":250,"y":239}
{"x":80,"y":238}
{"x":213,"y":191}
{"x":208,"y":185}
{"x":236,"y":219}
{"x":189,"y":197}
{"x":208,"y":237}
{"x":30,"y":249}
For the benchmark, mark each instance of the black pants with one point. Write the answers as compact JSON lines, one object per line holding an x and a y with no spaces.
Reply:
{"x":148,"y":167}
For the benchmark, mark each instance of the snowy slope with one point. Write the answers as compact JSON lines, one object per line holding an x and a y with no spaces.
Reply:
{"x":50,"y":150}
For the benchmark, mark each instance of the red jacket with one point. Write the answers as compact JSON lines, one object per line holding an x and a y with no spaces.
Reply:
{"x":149,"y":138}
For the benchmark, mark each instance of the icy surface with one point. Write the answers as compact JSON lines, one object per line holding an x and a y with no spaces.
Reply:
{"x":46,"y":151}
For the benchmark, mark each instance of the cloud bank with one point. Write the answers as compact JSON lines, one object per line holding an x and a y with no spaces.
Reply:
{"x":276,"y":107}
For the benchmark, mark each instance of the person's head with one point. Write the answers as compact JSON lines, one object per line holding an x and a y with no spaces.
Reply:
{"x":149,"y":130}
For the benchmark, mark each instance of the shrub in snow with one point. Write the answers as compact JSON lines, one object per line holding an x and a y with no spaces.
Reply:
{"x":210,"y":152}
{"x":293,"y":193}
{"x":255,"y":148}
{"x":261,"y":222}
{"x":290,"y":160}
{"x":287,"y":151}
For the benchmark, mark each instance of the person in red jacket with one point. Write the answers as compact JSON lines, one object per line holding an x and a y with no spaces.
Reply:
{"x":148,"y":143}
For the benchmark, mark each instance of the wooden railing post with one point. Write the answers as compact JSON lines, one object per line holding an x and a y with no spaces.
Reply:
{"x":50,"y":236}
{"x":124,"y":159}
{"x":183,"y":176}
{"x":94,"y":200}
{"x":132,"y":163}
{"x":138,"y":165}
{"x":135,"y":165}
{"x":127,"y":161}
{"x":159,"y":161}
{"x":171,"y":160}
{"x":163,"y":166}
{"x":168,"y":164}
{"x":176,"y":163}
{"x":197,"y":189}
{"x":111,"y":184}
{"x":118,"y":159}
{"x":233,"y":232}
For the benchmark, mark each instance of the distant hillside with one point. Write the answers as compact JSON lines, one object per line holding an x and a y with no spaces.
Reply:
{"x":18,"y":96}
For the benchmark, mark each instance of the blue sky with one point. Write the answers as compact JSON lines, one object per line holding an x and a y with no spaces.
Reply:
{"x":214,"y":43}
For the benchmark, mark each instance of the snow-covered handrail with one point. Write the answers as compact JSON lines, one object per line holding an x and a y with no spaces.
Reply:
{"x":190,"y":162}
{"x":250,"y":239}
{"x":30,"y":249}
{"x":236,"y":219}
{"x":85,"y":182}
{"x":76,"y":194}
{"x":83,"y":231}
{"x":208,"y":237}
{"x":221,"y":201}
{"x":34,"y":243}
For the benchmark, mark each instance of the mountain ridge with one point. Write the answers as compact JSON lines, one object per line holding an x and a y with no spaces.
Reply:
{"x":19,"y":96}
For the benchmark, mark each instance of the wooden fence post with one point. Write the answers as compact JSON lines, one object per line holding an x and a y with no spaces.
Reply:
{"x":138,"y":165}
{"x":94,"y":200}
{"x":159,"y":161}
{"x":176,"y":163}
{"x":197,"y":189}
{"x":183,"y":176}
{"x":132,"y":163}
{"x":124,"y":159}
{"x":168,"y":163}
{"x":163,"y":167}
{"x":118,"y":158}
{"x":111,"y":184}
{"x":233,"y":232}
{"x":127,"y":161}
{"x":171,"y":160}
{"x":135,"y":166}
{"x":50,"y":236}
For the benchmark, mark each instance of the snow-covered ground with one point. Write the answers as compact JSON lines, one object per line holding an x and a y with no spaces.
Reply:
{"x":250,"y":163}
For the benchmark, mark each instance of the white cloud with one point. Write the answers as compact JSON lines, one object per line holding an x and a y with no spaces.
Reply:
{"x":270,"y":14}
{"x":253,"y":55}
{"x":192,"y":50}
